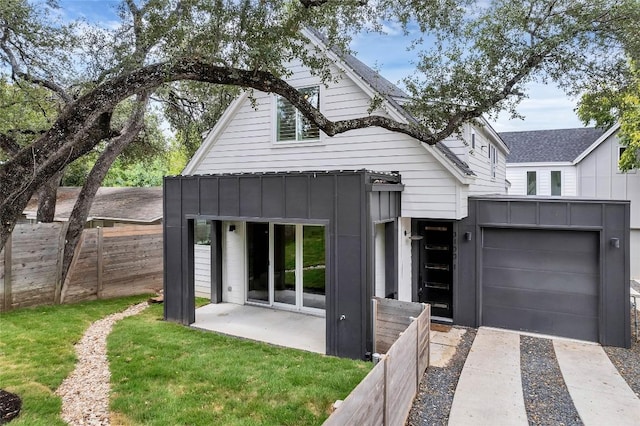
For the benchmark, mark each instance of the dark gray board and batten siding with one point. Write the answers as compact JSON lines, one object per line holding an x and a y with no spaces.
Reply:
{"x":546,"y":265}
{"x":347,"y":203}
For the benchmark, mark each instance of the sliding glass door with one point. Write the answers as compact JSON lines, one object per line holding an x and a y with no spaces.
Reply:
{"x":286,"y":265}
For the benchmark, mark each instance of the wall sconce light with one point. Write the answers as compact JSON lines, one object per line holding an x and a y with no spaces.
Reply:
{"x":468,"y":236}
{"x":614,"y":242}
{"x":413,"y":237}
{"x":232,"y":228}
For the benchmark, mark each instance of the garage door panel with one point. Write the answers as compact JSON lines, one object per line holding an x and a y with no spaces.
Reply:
{"x":544,"y":301}
{"x":557,"y":240}
{"x":559,"y":324}
{"x":545,"y":281}
{"x":546,"y":260}
{"x":540,"y":280}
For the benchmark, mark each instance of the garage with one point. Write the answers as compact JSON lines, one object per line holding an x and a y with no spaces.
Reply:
{"x":544,"y":281}
{"x":546,"y":265}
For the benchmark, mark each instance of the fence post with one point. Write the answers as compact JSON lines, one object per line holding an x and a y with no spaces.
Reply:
{"x":385,"y":390}
{"x":418,"y":336}
{"x":100,"y":262}
{"x":375,"y":324}
{"x":62,"y":243}
{"x":7,"y":274}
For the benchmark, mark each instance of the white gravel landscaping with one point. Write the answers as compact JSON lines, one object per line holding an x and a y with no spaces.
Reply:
{"x":85,"y":392}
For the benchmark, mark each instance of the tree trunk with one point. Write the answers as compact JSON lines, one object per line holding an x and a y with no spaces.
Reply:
{"x":47,"y":196}
{"x":81,"y":209}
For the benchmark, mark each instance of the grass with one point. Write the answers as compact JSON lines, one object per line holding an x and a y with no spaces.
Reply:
{"x":163,"y":373}
{"x":37,"y":353}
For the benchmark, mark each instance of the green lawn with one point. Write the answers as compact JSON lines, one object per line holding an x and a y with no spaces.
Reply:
{"x":37,"y":353}
{"x":165,"y":374}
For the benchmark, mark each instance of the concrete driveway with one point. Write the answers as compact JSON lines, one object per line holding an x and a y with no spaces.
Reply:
{"x":490,"y":388}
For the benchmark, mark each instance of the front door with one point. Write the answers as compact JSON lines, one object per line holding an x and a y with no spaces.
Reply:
{"x":436,"y":267}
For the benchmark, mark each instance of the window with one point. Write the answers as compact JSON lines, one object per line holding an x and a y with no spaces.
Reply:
{"x":202,"y":232}
{"x":292,"y":126}
{"x":531,"y":183}
{"x":493,"y":156}
{"x":556,"y":182}
{"x":621,"y":150}
{"x":473,"y":140}
{"x":286,"y":265}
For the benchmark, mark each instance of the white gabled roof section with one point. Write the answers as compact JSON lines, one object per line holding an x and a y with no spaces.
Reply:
{"x":212,"y":136}
{"x":390,"y":109}
{"x":606,"y":135}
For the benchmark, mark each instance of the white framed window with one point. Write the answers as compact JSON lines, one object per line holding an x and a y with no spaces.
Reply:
{"x":291,"y":125}
{"x":556,"y":183}
{"x":493,"y":158}
{"x":532,"y":183}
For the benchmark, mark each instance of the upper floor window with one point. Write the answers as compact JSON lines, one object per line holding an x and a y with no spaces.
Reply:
{"x":556,"y":182}
{"x":532,"y":184}
{"x":292,"y":126}
{"x":621,"y":150}
{"x":493,"y":157}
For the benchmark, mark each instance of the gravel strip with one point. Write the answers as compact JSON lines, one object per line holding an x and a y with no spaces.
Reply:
{"x":435,"y":396}
{"x":85,"y":392}
{"x":627,"y":361}
{"x":546,"y":396}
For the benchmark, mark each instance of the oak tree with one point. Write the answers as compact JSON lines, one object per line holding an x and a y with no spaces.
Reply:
{"x":472,"y":58}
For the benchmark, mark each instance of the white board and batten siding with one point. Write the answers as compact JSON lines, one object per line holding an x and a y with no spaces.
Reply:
{"x":599,"y":177}
{"x":517,"y":176}
{"x":247,"y":143}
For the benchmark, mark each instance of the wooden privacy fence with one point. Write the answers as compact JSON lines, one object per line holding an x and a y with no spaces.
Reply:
{"x":385,"y":395}
{"x":109,"y":262}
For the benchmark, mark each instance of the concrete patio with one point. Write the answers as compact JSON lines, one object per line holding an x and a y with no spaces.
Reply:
{"x":264,"y":324}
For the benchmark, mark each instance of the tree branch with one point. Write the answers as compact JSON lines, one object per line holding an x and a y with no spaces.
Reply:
{"x":17,"y":72}
{"x":315,"y":3}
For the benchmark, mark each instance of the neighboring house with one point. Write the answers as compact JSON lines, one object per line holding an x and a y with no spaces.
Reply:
{"x":111,"y":206}
{"x":575,"y":162}
{"x":318,"y":224}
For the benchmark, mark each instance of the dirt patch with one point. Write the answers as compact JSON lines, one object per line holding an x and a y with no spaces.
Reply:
{"x":10,"y":406}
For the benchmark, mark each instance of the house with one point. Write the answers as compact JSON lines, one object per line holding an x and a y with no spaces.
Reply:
{"x":315,"y":224}
{"x":575,"y":162}
{"x":112,"y":206}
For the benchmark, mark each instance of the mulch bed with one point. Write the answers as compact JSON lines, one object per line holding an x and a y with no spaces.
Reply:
{"x":10,"y":406}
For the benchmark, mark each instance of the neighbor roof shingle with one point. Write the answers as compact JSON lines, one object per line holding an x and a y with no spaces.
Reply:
{"x":544,"y":146}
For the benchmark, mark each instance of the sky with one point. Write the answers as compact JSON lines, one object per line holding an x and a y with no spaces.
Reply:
{"x":546,"y":108}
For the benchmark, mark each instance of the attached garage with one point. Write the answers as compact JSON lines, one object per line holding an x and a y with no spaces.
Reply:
{"x":545,"y":281}
{"x":551,"y":266}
